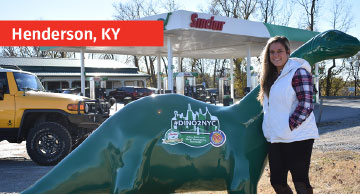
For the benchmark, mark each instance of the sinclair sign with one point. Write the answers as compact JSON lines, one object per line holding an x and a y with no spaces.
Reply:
{"x":210,"y":24}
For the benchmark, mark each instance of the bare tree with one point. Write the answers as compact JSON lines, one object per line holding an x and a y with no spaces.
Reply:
{"x":340,"y":19}
{"x":272,"y":12}
{"x":136,"y":62}
{"x":216,"y":61}
{"x":107,"y":56}
{"x":150,"y":69}
{"x":267,"y":8}
{"x":38,"y":52}
{"x":285,"y":13}
{"x":311,"y":8}
{"x":164,"y":59}
{"x":354,"y":70}
{"x":241,"y":9}
{"x":330,"y":78}
{"x":133,"y":10}
{"x":32,"y":51}
{"x":170,"y":5}
{"x":233,"y":8}
{"x":9,"y":51}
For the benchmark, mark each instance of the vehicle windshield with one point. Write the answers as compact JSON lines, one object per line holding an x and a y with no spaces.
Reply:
{"x":28,"y":82}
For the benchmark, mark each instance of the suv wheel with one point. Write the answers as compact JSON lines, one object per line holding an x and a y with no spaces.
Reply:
{"x":48,"y":143}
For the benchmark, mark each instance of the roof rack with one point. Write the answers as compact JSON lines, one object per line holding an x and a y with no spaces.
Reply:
{"x":15,"y":67}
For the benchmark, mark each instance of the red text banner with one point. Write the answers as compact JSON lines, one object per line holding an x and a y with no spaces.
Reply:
{"x":81,"y":33}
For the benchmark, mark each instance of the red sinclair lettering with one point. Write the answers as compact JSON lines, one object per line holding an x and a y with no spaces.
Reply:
{"x":206,"y":24}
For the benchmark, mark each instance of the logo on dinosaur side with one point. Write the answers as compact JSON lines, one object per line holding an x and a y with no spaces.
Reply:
{"x":195,"y":129}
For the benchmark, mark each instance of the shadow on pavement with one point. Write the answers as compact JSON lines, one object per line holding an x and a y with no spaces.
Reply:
{"x":18,"y":173}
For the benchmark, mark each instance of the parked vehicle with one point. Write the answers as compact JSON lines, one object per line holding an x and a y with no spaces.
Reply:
{"x":52,"y":124}
{"x":144,"y":92}
{"x":100,"y":93}
{"x":156,"y":91}
{"x":118,"y":94}
{"x":130,"y":92}
{"x":200,"y":92}
{"x":212,"y":95}
{"x":76,"y":91}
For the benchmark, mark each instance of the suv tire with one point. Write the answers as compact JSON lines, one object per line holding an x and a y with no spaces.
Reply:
{"x":48,"y":143}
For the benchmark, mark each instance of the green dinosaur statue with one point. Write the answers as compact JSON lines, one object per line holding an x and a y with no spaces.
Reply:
{"x":172,"y":143}
{"x":332,"y":44}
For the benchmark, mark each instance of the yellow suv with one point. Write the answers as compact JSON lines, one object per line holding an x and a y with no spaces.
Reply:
{"x":52,"y":124}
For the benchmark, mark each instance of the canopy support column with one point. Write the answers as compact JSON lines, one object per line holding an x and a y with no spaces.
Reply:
{"x":170,"y":64}
{"x":179,"y":64}
{"x":82,"y":70}
{"x":232,"y":63}
{"x":317,"y":82}
{"x":158,"y":73}
{"x":248,"y":70}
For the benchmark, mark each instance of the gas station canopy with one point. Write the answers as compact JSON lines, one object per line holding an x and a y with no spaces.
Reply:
{"x":200,"y":35}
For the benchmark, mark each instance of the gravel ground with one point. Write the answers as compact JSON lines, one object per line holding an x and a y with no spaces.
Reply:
{"x":339,"y":126}
{"x":339,"y":135}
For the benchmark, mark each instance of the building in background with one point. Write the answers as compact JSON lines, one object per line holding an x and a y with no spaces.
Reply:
{"x":63,"y":73}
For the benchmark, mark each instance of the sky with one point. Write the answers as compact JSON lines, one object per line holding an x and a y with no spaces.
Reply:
{"x":104,"y":10}
{"x":68,"y":9}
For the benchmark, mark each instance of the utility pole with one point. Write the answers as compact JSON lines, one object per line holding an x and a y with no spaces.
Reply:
{"x":356,"y":76}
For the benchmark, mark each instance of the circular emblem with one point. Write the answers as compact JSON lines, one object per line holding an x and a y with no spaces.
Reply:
{"x":217,"y":138}
{"x":172,"y":137}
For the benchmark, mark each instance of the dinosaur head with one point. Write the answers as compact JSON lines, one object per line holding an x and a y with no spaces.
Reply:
{"x":331,"y":44}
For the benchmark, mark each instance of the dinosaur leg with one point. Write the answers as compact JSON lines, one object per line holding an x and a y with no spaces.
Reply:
{"x":130,"y":177}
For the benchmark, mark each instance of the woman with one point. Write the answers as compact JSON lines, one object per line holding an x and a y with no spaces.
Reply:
{"x":289,"y":123}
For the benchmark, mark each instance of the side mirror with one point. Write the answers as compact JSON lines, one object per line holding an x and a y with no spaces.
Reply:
{"x":1,"y":91}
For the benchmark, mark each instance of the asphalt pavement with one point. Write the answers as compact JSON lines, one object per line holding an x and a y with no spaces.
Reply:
{"x":337,"y":109}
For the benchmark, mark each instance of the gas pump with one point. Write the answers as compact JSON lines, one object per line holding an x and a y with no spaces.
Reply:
{"x":185,"y":83}
{"x":165,"y":84}
{"x":225,"y":91}
{"x":97,"y":87}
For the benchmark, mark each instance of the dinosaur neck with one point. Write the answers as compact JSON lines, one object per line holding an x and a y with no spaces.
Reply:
{"x":249,"y":104}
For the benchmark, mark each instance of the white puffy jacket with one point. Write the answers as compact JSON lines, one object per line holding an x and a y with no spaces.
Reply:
{"x":281,"y":104}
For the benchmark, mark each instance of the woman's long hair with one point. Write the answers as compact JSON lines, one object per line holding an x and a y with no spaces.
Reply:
{"x":269,"y":72}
